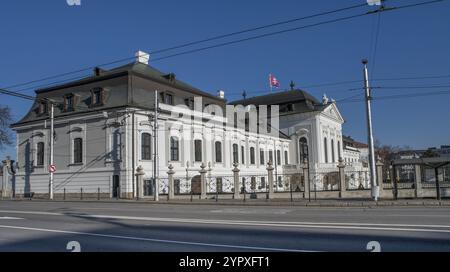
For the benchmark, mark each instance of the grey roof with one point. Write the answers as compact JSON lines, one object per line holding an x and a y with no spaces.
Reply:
{"x":278,"y":98}
{"x":139,"y":69}
{"x":304,"y":102}
{"x":154,"y":74}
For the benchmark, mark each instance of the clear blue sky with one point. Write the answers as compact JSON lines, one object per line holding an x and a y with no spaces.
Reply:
{"x":42,"y":38}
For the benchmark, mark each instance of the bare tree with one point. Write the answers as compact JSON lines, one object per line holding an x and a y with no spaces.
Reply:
{"x":387,"y":153}
{"x":5,"y":121}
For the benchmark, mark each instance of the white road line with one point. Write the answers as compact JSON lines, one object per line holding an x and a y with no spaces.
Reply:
{"x":10,"y":218}
{"x":156,"y":240}
{"x":318,"y":225}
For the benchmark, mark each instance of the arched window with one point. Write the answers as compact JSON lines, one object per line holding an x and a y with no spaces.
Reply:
{"x":325,"y":148}
{"x":243,"y":154}
{"x":78,"y":150}
{"x":235,"y":153}
{"x":286,"y":157}
{"x":304,"y":153}
{"x":218,"y":146}
{"x":252,"y":155}
{"x":174,"y":149}
{"x":333,"y":159}
{"x":271,"y":157}
{"x":198,"y":150}
{"x":40,"y":154}
{"x":146,"y":146}
{"x":278,"y":157}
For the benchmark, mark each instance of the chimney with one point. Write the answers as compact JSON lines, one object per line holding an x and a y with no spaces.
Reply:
{"x":98,"y":71}
{"x":221,"y":94}
{"x":142,"y":57}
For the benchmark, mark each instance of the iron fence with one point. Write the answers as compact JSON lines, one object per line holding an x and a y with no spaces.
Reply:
{"x":254,"y":184}
{"x":163,"y":186}
{"x":220,"y":185}
{"x":182,"y":186}
{"x":290,"y":183}
{"x":357,"y":180}
{"x":322,"y":182}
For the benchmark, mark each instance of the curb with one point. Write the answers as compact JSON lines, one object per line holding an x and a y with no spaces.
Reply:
{"x":315,"y":204}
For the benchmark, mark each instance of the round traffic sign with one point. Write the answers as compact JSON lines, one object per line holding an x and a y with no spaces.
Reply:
{"x":52,"y":168}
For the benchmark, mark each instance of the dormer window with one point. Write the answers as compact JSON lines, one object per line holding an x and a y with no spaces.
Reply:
{"x":43,"y":107}
{"x":69,"y":102}
{"x":166,"y":98}
{"x":97,"y":97}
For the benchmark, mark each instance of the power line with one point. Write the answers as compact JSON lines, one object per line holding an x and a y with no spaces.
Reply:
{"x":258,"y":28}
{"x":233,"y":42}
{"x":193,"y":43}
{"x":247,"y":39}
{"x":404,"y":87}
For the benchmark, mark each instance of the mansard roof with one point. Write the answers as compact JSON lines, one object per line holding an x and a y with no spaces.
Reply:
{"x":278,"y":98}
{"x":138,"y":69}
{"x":304,"y":102}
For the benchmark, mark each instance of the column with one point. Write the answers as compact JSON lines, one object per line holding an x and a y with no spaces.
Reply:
{"x":140,"y":182}
{"x":170,"y":173}
{"x":379,"y":171}
{"x":203,"y":180}
{"x":342,"y":184}
{"x":236,"y":181}
{"x":418,"y":180}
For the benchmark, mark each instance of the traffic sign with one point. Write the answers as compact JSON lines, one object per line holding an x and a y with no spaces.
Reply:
{"x":52,"y":168}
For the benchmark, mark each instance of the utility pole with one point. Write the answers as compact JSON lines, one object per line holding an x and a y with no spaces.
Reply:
{"x":52,"y":132}
{"x":368,"y":95}
{"x":155,"y":143}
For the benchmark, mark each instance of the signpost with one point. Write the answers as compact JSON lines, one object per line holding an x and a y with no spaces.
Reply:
{"x":52,"y":168}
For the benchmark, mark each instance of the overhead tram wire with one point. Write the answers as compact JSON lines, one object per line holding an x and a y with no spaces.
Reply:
{"x":221,"y":36}
{"x":193,"y":43}
{"x":243,"y":40}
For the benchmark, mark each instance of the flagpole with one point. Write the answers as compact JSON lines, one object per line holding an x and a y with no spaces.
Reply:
{"x":270,"y":83}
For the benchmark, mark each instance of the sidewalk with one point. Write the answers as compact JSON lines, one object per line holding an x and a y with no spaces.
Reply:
{"x":263,"y":202}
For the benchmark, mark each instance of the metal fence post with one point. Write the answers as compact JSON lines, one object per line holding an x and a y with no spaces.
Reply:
{"x":270,"y":178}
{"x":81,"y":195}
{"x":64,"y":195}
{"x":98,"y":193}
{"x":290,"y":189}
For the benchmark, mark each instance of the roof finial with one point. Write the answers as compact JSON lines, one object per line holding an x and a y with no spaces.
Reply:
{"x":292,"y":85}
{"x":244,"y":94}
{"x":325,"y":99}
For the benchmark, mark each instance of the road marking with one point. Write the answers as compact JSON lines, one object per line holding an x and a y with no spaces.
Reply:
{"x":10,"y":218}
{"x":318,"y":225}
{"x":157,"y":240}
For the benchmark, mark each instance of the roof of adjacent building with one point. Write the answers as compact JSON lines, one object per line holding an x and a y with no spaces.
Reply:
{"x":349,"y":141}
{"x":278,"y":98}
{"x":304,"y":102}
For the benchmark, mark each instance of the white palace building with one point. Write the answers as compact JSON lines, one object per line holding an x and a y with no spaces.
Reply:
{"x":104,"y":132}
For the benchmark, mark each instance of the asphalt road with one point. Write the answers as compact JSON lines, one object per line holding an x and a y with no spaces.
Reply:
{"x":125,"y":227}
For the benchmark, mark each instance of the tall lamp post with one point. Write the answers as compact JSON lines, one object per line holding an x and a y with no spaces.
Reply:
{"x":368,"y":96}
